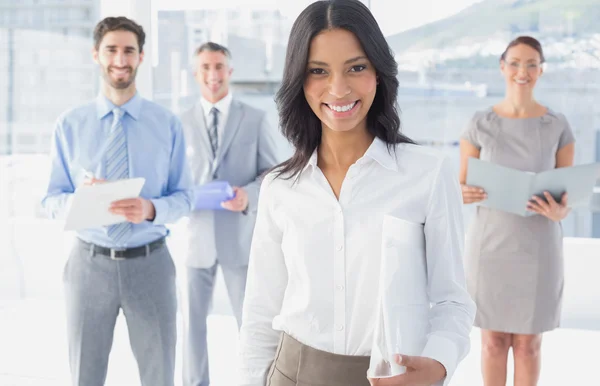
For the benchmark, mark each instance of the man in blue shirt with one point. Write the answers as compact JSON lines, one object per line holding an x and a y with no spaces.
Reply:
{"x":125,"y":266}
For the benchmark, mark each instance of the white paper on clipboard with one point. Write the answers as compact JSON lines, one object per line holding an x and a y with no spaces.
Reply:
{"x":89,"y":208}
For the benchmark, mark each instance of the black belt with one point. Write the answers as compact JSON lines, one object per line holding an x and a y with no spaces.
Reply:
{"x":128,"y":253}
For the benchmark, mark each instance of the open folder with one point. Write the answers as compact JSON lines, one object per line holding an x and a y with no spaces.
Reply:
{"x":510,"y":189}
{"x":91,"y":203}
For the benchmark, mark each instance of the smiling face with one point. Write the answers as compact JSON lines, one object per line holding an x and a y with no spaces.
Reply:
{"x":341,"y":82}
{"x":521,"y":69}
{"x":212,"y":74}
{"x":119,"y":58}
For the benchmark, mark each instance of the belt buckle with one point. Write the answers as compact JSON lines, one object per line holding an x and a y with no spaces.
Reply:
{"x":113,"y":255}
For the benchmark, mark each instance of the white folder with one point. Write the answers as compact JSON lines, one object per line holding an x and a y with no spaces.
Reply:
{"x":403,"y":302}
{"x":510,"y":189}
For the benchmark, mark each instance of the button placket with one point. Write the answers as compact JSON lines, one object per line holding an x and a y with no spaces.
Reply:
{"x":339,"y":272}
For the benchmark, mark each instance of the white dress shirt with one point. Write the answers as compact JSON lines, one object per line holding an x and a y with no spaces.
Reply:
{"x":223,"y":106}
{"x":315,"y":260}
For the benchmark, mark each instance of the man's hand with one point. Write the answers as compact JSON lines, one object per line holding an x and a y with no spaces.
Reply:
{"x":239,"y":203}
{"x":91,"y":180}
{"x":420,"y":371}
{"x":135,"y":210}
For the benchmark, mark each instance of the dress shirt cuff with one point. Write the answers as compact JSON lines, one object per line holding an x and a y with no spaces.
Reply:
{"x":444,"y":351}
{"x":161,"y":210}
{"x":58,"y":207}
{"x":64,"y":212}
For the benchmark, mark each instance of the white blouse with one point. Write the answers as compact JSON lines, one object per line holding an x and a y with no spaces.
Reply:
{"x":314,"y":262}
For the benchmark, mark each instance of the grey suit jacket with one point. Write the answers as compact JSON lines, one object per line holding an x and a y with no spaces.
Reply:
{"x":247,"y":150}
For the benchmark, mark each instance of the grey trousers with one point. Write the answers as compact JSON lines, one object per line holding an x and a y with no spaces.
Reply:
{"x":297,"y":364}
{"x":201,"y":284}
{"x":96,"y":288}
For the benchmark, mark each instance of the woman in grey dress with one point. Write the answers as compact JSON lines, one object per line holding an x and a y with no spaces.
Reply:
{"x":515,"y":264}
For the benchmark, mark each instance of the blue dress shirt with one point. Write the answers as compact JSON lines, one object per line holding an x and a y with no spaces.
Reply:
{"x":156,"y":151}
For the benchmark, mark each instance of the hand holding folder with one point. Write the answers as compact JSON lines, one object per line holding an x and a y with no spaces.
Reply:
{"x":212,"y":195}
{"x":510,"y":189}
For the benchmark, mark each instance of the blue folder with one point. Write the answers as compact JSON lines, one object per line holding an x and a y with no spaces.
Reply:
{"x":212,"y":194}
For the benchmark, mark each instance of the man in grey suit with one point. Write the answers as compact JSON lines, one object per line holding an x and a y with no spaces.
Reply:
{"x":231,"y":141}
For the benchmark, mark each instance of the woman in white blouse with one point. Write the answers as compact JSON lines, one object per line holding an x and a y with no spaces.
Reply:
{"x":354,"y":184}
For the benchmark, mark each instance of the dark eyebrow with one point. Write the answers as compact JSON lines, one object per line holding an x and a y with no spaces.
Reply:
{"x":356,"y":59}
{"x":126,"y":48}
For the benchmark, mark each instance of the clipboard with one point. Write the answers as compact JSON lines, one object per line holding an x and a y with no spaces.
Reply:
{"x":89,"y":208}
{"x":510,"y":189}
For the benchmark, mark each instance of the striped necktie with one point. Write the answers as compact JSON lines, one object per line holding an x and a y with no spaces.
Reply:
{"x":117,"y":167}
{"x":213,"y":133}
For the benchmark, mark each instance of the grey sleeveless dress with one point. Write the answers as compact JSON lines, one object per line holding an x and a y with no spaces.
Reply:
{"x":514,"y":264}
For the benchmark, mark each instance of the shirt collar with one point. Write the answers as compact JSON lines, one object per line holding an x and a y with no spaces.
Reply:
{"x":312,"y":161}
{"x":221,"y":105}
{"x":131,"y":107}
{"x":380,"y":153}
{"x":377,"y":151}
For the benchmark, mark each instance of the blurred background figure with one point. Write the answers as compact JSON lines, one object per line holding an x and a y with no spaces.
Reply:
{"x":126,"y":266}
{"x":227,"y":140}
{"x":514,"y":263}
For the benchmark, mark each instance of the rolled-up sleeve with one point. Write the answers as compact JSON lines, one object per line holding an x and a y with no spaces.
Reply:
{"x":453,"y":310}
{"x":177,"y":202}
{"x":265,"y":288}
{"x":60,"y":190}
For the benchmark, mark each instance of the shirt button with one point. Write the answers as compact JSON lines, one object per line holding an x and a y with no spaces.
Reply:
{"x":340,"y":247}
{"x":340,"y":287}
{"x":339,"y":327}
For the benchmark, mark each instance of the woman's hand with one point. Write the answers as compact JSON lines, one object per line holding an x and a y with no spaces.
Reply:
{"x":420,"y":371}
{"x":555,"y":211}
{"x":472,"y":194}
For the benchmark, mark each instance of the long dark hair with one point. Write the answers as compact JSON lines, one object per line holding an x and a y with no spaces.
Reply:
{"x":527,"y":40}
{"x":298,"y":122}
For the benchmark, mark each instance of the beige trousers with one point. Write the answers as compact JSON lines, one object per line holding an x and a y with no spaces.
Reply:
{"x":297,"y":364}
